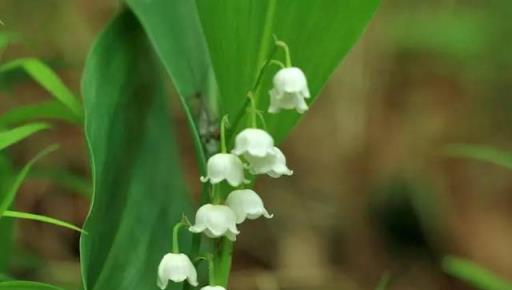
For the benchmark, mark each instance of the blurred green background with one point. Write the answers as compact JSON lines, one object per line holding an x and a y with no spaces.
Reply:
{"x":373,"y":191}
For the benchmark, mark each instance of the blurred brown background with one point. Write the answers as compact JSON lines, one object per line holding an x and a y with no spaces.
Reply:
{"x":372,"y":192}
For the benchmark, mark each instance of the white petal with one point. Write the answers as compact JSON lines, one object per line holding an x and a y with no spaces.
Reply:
{"x":224,"y":166}
{"x":235,"y":173}
{"x":177,"y":268}
{"x":192,"y":274}
{"x":215,"y":220}
{"x":253,"y":141}
{"x":246,"y":203}
{"x":301,"y":105}
{"x":290,"y":90}
{"x":290,"y":80}
{"x":273,"y":164}
{"x":213,"y":288}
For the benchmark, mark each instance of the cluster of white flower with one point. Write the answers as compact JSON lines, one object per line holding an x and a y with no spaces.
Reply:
{"x":253,"y":151}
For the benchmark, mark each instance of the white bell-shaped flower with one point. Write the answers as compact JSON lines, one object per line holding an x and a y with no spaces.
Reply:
{"x":253,"y":142}
{"x":215,"y":220}
{"x":177,"y":268}
{"x":290,"y":90}
{"x":246,"y":204}
{"x":209,"y":287}
{"x":224,"y":166}
{"x":273,"y":164}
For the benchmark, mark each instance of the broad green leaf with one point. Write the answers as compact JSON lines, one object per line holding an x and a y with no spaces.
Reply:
{"x":174,"y":30}
{"x":480,"y":152}
{"x":45,"y":110}
{"x":139,"y":192}
{"x":474,"y":275}
{"x":48,"y":79}
{"x":26,"y":285}
{"x":7,"y":198}
{"x":41,"y":218}
{"x":12,"y":136}
{"x":239,"y":36}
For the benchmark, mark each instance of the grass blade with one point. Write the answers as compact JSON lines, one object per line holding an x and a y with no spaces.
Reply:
{"x":474,"y":274}
{"x":480,"y":152}
{"x":41,"y":218}
{"x":8,"y":198}
{"x":26,"y":285}
{"x":12,"y":136}
{"x":45,"y":110}
{"x":49,"y":80}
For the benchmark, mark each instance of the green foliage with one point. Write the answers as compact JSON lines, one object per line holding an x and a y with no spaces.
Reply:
{"x":12,"y":136}
{"x":40,"y":218}
{"x":7,"y":198}
{"x":213,"y":54}
{"x":139,"y":192}
{"x":45,"y":110}
{"x":174,"y":30}
{"x":26,"y":285}
{"x":48,"y":79}
{"x":239,"y":36}
{"x":474,"y":275}
{"x":480,"y":152}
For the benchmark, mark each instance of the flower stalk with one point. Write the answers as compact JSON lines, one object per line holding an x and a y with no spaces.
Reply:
{"x":230,"y":201}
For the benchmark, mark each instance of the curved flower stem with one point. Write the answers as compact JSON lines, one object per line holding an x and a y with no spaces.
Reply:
{"x":223,"y":124}
{"x":175,"y":237}
{"x":253,"y":111}
{"x":175,"y":248}
{"x":278,"y":63}
{"x":284,"y":46}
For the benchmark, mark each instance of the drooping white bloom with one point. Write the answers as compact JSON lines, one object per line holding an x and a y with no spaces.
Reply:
{"x":290,"y":90}
{"x":246,"y":204}
{"x":253,"y":142}
{"x":209,"y":287}
{"x":224,"y":166}
{"x":215,"y":220}
{"x":273,"y":164}
{"x":177,"y":268}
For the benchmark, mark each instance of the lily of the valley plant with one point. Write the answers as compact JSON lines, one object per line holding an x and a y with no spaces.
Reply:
{"x":254,"y":153}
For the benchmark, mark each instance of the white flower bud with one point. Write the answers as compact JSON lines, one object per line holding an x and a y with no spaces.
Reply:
{"x":215,"y":220}
{"x":177,"y":268}
{"x":253,"y":142}
{"x":246,"y":204}
{"x":209,"y":287}
{"x":224,"y":166}
{"x":273,"y":164}
{"x":290,"y":90}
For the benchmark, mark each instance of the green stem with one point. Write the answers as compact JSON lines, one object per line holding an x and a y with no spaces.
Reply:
{"x":278,"y":63}
{"x":255,"y":87}
{"x":223,"y":266}
{"x":253,"y":111}
{"x":211,"y":270}
{"x":284,"y":46}
{"x":175,"y":237}
{"x":223,"y":124}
